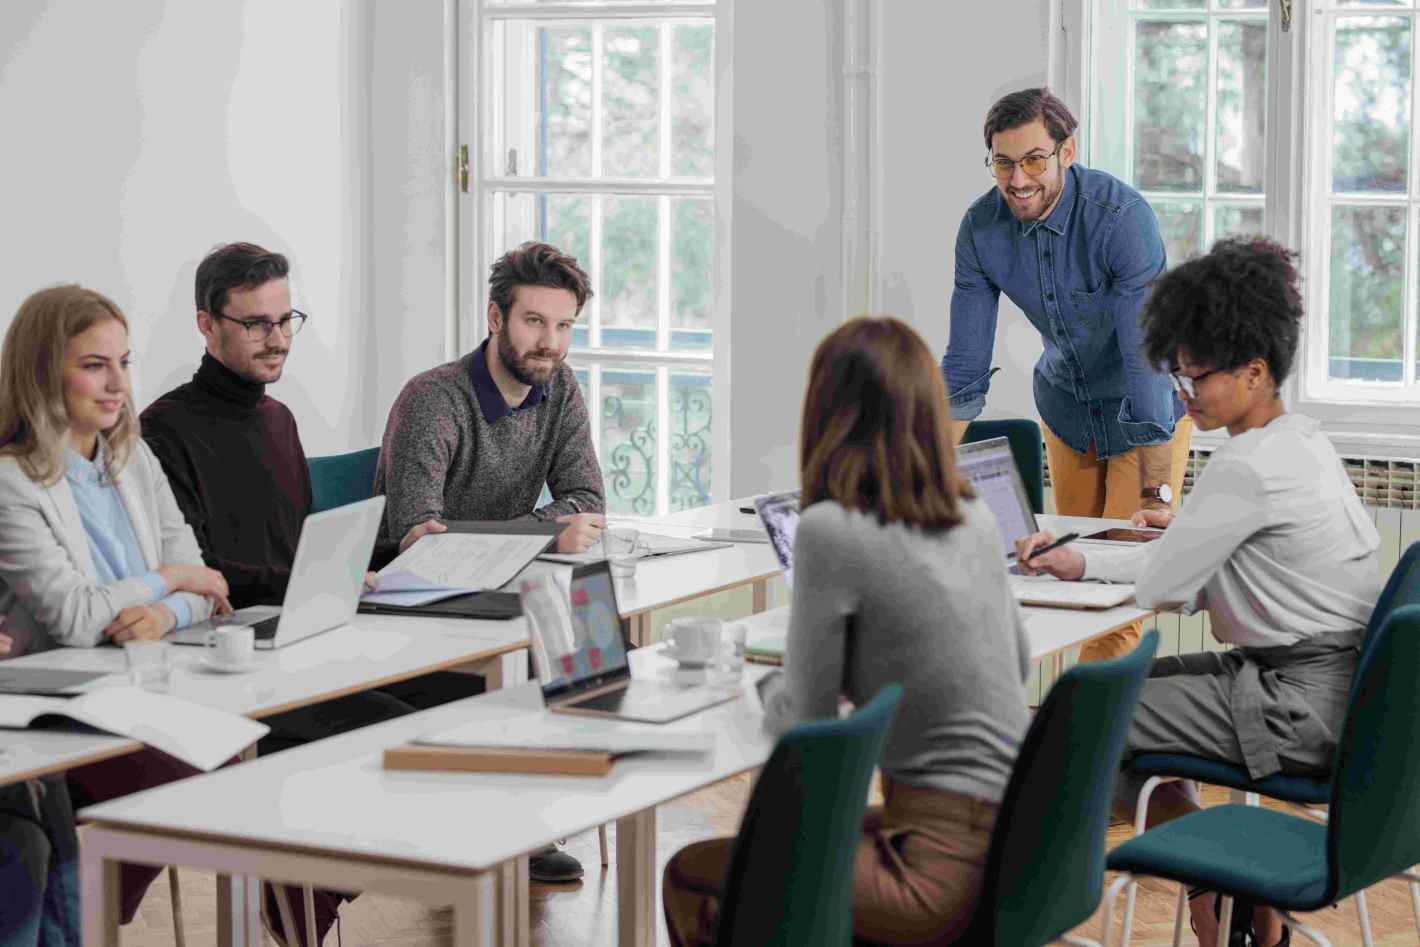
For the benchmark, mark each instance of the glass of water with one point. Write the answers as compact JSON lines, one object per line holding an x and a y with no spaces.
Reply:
{"x":622,"y":547}
{"x":150,"y":664}
{"x":729,"y":664}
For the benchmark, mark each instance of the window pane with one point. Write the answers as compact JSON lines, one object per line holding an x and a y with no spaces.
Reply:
{"x":1170,"y":97}
{"x":628,"y":449}
{"x":692,"y":273}
{"x":1182,"y":227}
{"x":1236,"y":220}
{"x":1367,"y":298}
{"x":630,"y":106}
{"x":628,"y":290}
{"x":564,"y":103}
{"x":690,"y":443}
{"x":1371,"y":125}
{"x":693,"y":100}
{"x":1169,"y":4}
{"x":1241,"y":112}
{"x":563,"y":220}
{"x":1242,"y":4}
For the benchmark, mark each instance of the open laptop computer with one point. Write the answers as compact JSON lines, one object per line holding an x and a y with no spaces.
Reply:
{"x":326,"y":580}
{"x":595,"y":678}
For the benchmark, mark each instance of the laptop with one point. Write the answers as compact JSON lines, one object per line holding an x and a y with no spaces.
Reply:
{"x":990,"y":467}
{"x":594,"y":677}
{"x":50,"y":681}
{"x":779,"y":512}
{"x":326,"y":580}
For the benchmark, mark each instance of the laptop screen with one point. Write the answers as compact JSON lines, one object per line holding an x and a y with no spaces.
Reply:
{"x":991,"y":468}
{"x":590,"y":652}
{"x":780,"y":514}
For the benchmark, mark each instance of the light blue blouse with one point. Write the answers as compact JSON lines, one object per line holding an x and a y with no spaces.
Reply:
{"x":112,"y":543}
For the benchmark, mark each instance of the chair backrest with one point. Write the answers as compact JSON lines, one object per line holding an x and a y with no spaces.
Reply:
{"x":790,"y":877}
{"x":1373,"y":831}
{"x":343,"y":478}
{"x":1045,"y":868}
{"x":1402,"y":588}
{"x":1026,"y":448}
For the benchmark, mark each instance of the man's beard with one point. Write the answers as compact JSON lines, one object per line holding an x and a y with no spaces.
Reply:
{"x":518,"y":366}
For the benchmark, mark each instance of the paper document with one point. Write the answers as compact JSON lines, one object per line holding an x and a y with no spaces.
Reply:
{"x":198,"y":735}
{"x":447,"y":564}
{"x":549,"y":731}
{"x":656,"y":545}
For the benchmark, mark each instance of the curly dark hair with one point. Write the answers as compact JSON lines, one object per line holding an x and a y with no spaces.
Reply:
{"x":1027,"y":105}
{"x":536,"y":264}
{"x":1237,"y":303}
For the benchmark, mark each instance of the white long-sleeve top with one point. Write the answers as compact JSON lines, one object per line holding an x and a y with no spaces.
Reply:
{"x":1273,"y":542}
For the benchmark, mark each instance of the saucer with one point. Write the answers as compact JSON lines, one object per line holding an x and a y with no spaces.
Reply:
{"x":221,"y":667}
{"x":696,"y":663}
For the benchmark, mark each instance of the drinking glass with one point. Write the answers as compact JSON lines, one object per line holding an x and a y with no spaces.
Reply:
{"x":150,"y":664}
{"x":622,"y":547}
{"x":729,"y":663}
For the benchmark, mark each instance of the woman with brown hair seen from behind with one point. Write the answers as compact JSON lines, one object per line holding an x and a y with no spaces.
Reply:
{"x":93,"y":547}
{"x":899,"y":576}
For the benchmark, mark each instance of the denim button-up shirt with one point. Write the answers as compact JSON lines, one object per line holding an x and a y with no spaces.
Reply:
{"x":1081,"y":276}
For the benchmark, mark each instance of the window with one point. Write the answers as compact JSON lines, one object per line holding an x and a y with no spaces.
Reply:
{"x":1181,"y":91}
{"x":597,"y":134}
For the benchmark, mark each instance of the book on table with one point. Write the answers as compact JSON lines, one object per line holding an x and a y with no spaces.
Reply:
{"x":201,"y":736}
{"x":653,"y":544}
{"x":442,"y":565}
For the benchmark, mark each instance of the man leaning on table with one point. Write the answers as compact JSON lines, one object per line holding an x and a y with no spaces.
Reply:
{"x":1076,"y":249}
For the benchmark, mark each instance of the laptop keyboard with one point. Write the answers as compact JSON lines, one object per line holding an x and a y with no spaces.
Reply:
{"x":609,"y":701}
{"x":265,"y":629}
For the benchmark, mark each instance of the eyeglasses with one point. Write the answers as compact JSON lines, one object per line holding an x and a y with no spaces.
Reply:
{"x":1187,"y":386}
{"x":1034,"y":165}
{"x":259,"y":330}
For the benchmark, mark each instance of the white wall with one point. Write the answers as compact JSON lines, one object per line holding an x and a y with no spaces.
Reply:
{"x":140,"y":134}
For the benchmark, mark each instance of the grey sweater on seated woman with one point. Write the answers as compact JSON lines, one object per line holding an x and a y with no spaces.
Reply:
{"x":877,"y":604}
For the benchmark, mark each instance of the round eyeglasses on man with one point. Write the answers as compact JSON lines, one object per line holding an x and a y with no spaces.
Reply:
{"x":1032,"y":164}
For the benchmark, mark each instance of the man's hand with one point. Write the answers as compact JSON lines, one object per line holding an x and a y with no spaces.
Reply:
{"x":141,"y":623}
{"x":418,"y":531}
{"x":7,"y":643}
{"x":1158,"y":519}
{"x":957,"y":429}
{"x":581,"y":531}
{"x":1155,"y":467}
{"x":1063,"y":563}
{"x":372,"y":582}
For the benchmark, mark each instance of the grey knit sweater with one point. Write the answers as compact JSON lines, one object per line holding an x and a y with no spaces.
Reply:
{"x":932,"y":611}
{"x":441,"y":459}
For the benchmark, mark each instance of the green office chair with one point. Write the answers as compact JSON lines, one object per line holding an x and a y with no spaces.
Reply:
{"x":790,"y":877}
{"x":1296,"y":864}
{"x":343,"y":478}
{"x":1026,"y":447}
{"x":1045,"y":868}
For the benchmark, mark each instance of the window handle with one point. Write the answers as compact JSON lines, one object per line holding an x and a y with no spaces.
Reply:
{"x":1286,"y":8}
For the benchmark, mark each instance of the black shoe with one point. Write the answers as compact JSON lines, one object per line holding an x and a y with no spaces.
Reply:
{"x":553,"y":866}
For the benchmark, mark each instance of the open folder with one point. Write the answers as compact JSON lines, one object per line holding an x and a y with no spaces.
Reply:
{"x":443,"y":565}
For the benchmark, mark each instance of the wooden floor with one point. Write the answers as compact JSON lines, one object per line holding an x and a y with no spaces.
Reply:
{"x":585,"y":913}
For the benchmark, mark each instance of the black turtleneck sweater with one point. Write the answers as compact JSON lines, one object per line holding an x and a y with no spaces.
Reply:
{"x":235,"y":462}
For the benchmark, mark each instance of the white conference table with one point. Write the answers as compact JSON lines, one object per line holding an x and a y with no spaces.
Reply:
{"x":329,"y":814}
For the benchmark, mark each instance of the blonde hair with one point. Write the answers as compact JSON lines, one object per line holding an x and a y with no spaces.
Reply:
{"x":33,"y":418}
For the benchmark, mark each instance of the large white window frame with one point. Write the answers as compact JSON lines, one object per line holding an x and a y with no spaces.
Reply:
{"x":478,"y":231}
{"x":1297,"y":202}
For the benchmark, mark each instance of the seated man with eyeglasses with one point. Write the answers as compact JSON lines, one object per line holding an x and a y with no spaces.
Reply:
{"x":1076,"y":249}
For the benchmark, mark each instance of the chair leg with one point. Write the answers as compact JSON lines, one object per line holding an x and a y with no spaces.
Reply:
{"x":601,"y":838}
{"x":1178,"y":915}
{"x":1225,"y":921}
{"x":1111,"y":894}
{"x":179,"y":936}
{"x":1363,"y":914}
{"x":1311,"y":933}
{"x":1141,"y":817}
{"x":283,"y":905}
{"x":1414,"y":879}
{"x":310,"y":899}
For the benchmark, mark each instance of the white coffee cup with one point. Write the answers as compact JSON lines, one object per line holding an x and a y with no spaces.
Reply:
{"x":231,"y":645}
{"x":694,"y":639}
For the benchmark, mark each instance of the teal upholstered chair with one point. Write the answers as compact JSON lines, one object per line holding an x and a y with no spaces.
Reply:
{"x":1045,"y":868}
{"x":343,"y":478}
{"x":1297,"y":864}
{"x":790,"y":877}
{"x":1026,"y":448}
{"x":1402,"y":588}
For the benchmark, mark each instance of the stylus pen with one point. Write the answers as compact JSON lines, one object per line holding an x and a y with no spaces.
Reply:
{"x":747,"y":509}
{"x":1067,"y":538}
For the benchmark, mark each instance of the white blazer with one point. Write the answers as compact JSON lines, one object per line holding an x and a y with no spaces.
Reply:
{"x":49,"y":591}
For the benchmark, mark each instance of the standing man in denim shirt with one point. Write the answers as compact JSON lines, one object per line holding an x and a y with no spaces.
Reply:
{"x":1076,"y":250}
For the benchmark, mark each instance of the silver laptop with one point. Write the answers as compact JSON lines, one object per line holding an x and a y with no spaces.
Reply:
{"x":594,"y":677}
{"x":779,"y":512}
{"x":326,"y":580}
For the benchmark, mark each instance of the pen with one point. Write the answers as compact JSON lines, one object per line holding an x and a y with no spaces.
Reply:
{"x":747,"y":509}
{"x":1067,"y":538}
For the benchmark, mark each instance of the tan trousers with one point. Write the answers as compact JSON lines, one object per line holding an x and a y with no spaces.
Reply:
{"x":917,"y":875}
{"x":1084,"y":485}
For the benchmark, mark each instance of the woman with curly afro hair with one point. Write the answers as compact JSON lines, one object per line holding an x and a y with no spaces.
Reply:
{"x":1273,"y":542}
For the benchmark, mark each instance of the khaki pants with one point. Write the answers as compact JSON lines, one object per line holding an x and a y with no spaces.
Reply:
{"x":917,"y":874}
{"x":1084,"y":485}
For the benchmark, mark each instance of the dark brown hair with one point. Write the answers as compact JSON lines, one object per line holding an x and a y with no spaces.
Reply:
{"x":874,"y":436}
{"x":1023,"y":107}
{"x":536,"y":264}
{"x":235,"y":266}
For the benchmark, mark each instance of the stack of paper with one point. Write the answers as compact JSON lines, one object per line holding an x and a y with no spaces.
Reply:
{"x":443,"y":565}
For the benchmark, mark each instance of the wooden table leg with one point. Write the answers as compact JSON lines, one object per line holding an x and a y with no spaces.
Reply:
{"x":640,"y":633}
{"x":98,"y":886}
{"x":513,"y":903}
{"x":636,"y":879}
{"x":760,"y":592}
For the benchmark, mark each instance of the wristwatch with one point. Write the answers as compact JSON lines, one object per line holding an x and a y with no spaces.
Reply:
{"x":1163,"y":493}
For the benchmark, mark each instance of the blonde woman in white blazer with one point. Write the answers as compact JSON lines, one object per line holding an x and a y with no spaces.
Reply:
{"x":93,"y":547}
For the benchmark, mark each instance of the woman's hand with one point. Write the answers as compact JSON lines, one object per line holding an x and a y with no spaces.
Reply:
{"x":199,"y":580}
{"x":141,"y":623}
{"x":1063,"y":563}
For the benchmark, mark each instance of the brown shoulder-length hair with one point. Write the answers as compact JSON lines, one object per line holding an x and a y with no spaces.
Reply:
{"x":33,"y":419}
{"x":875,"y":433}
